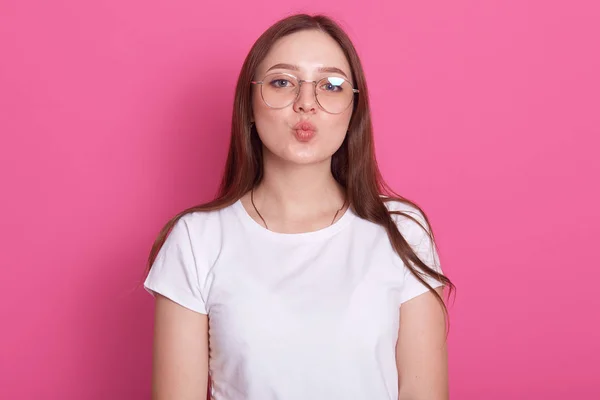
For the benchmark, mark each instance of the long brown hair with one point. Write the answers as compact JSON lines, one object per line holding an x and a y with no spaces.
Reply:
{"x":353,"y":165}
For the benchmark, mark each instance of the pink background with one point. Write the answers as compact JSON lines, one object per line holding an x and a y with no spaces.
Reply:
{"x":114,"y":115}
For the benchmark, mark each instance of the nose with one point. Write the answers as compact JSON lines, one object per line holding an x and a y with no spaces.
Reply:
{"x":306,"y":101}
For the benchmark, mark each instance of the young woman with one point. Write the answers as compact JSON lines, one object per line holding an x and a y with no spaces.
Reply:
{"x":307,"y":277}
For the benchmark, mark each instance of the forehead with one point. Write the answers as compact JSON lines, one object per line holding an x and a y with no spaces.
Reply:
{"x":309,"y":50}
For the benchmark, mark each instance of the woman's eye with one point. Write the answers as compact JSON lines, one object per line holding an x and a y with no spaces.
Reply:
{"x":328,"y":87}
{"x":332,"y":84}
{"x":280,"y":83}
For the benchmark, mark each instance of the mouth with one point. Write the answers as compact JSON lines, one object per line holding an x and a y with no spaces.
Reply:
{"x":304,"y":131}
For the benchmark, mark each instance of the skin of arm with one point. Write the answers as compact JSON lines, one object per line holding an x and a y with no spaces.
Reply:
{"x":421,"y":350}
{"x":180,"y":352}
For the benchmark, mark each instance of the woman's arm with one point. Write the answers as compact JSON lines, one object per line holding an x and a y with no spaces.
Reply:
{"x":180,"y":352}
{"x":421,"y":353}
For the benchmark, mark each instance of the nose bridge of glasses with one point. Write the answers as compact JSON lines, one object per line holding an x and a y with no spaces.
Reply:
{"x":311,"y":90}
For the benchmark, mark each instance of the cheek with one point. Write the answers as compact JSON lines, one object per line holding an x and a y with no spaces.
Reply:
{"x":338,"y":126}
{"x":270,"y":125}
{"x":335,"y":135}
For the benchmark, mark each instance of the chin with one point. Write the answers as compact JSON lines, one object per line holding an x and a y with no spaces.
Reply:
{"x":306,"y":158}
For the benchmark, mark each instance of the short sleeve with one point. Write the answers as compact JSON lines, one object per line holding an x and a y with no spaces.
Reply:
{"x":426,"y":250}
{"x":174,"y":273}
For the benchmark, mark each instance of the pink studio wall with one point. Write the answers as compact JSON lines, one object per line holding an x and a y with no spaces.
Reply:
{"x":114,"y":116}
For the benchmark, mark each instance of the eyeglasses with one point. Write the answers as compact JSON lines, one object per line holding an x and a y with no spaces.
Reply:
{"x":334,"y":94}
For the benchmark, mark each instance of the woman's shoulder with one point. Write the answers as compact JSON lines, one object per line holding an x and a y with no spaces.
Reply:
{"x":415,"y":227}
{"x":205,"y":222}
{"x":409,"y":217}
{"x":402,"y":206}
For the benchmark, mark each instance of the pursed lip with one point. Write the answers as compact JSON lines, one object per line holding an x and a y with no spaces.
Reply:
{"x":305,"y":126}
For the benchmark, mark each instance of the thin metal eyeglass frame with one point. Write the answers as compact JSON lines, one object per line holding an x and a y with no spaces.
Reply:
{"x":300,"y":82}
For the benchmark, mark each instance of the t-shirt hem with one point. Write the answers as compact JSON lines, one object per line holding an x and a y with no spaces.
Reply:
{"x":421,"y":289}
{"x":176,"y":296}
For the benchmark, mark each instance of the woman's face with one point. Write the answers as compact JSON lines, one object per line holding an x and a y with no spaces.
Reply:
{"x":302,"y":132}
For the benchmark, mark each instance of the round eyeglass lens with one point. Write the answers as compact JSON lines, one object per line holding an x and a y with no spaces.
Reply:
{"x":334,"y":94}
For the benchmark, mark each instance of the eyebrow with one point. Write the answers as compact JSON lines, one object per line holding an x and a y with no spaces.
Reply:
{"x":297,"y":68}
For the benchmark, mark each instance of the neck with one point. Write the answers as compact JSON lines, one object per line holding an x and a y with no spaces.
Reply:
{"x":294,"y":191}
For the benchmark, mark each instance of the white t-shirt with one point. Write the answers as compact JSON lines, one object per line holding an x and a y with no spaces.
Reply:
{"x":294,"y":316}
